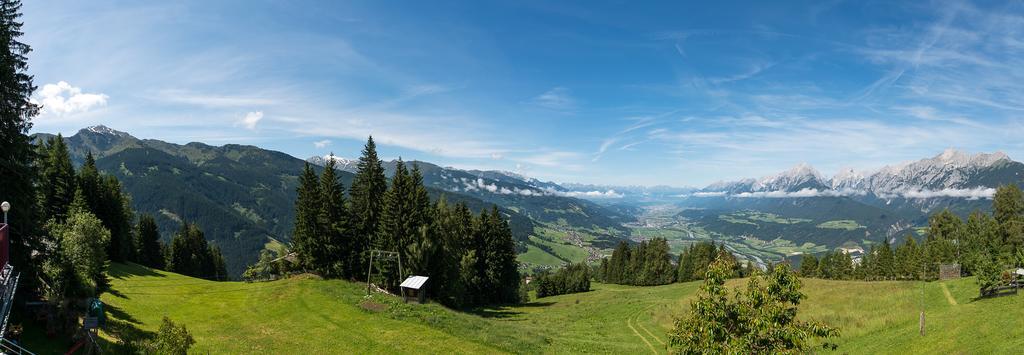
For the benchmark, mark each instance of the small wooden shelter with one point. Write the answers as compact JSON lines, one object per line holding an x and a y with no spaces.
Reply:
{"x":414,"y":289}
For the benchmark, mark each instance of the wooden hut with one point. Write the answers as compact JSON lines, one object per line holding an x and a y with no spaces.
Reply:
{"x":414,"y":289}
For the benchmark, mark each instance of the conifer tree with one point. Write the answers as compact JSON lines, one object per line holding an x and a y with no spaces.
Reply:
{"x":89,"y":181}
{"x":150,"y":249}
{"x":17,"y":153}
{"x":367,"y":192}
{"x":1008,"y":210}
{"x":334,"y":239}
{"x":395,"y":228}
{"x":307,"y":219}
{"x":114,"y":209}
{"x":57,"y":179}
{"x":502,"y":269}
{"x":809,"y":266}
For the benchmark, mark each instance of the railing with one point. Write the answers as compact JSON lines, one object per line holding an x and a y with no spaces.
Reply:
{"x":8,"y":284}
{"x":10,"y":347}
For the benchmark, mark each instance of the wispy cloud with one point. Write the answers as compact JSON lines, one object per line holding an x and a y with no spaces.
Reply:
{"x":322,"y":143}
{"x":558,"y":98}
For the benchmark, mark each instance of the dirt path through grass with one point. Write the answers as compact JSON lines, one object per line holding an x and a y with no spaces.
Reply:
{"x":629,"y":323}
{"x":949,"y":296}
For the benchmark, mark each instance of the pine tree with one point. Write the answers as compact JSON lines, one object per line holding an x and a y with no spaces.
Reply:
{"x":17,"y":153}
{"x":114,"y":209}
{"x":395,"y":227}
{"x":334,"y":239}
{"x":89,"y":181}
{"x":809,"y":266}
{"x":1008,"y":210}
{"x":307,"y":220}
{"x":367,"y":192}
{"x":502,"y":269}
{"x":191,"y":255}
{"x":150,"y":249}
{"x":57,"y":179}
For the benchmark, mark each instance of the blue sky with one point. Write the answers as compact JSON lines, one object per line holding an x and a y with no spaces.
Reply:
{"x":616,"y":93}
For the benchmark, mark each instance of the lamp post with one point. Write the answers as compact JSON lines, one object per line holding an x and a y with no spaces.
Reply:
{"x":6,"y":206}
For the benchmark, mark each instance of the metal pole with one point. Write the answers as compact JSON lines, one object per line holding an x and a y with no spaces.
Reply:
{"x":368,"y":271}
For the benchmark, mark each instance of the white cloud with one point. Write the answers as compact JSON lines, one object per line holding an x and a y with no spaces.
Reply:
{"x":63,"y":99}
{"x":251,"y":119}
{"x":970,"y":194}
{"x":322,"y":144}
{"x":557,"y":98}
{"x":593,"y":194}
{"x":710,"y":194}
{"x":808,"y":192}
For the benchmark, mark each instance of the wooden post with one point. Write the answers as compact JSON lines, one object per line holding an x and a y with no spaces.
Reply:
{"x":921,"y":324}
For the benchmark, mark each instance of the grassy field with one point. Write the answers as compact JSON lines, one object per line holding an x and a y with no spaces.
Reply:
{"x":315,"y":316}
{"x":841,"y":224}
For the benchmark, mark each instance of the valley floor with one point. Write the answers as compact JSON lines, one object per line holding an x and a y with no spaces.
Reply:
{"x":308,"y":315}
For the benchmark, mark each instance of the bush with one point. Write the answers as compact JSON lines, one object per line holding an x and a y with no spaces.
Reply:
{"x":172,"y":339}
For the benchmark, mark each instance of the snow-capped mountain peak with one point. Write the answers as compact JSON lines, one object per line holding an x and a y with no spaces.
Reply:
{"x":799,"y":177}
{"x":104,"y":130}
{"x":343,"y":164}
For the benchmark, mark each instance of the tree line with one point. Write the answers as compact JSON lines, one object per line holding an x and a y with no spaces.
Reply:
{"x":985,"y":244}
{"x":572,"y":278}
{"x":470,"y":259}
{"x":649,"y":263}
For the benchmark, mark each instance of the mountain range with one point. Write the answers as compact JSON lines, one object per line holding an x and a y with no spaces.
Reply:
{"x":243,"y":196}
{"x":950,"y":174}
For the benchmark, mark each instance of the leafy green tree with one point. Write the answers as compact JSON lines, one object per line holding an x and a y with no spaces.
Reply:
{"x":761,"y":320}
{"x":17,"y":153}
{"x":150,"y":248}
{"x":368,"y":186}
{"x":172,"y":339}
{"x":81,"y":242}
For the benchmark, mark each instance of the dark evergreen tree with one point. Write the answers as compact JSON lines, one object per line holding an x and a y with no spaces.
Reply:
{"x":57,"y":182}
{"x":809,"y":266}
{"x":502,"y":269}
{"x":307,"y":220}
{"x":334,"y":240}
{"x":366,"y":193}
{"x":150,"y":248}
{"x":17,"y":154}
{"x":190,"y":254}
{"x":114,"y":209}
{"x":1008,"y":210}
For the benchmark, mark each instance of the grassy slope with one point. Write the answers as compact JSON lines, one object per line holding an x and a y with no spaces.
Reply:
{"x":324,"y":316}
{"x":305,"y":314}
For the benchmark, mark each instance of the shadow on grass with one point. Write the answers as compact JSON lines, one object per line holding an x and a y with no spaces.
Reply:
{"x":119,"y":314}
{"x":127,"y":270}
{"x":115,"y":293}
{"x":506,"y":311}
{"x":994,"y":296}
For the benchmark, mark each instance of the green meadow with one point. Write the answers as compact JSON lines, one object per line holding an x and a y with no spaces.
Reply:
{"x":308,"y":315}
